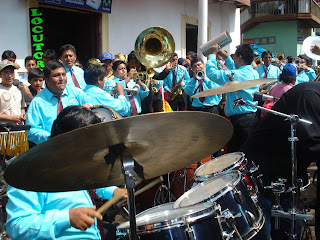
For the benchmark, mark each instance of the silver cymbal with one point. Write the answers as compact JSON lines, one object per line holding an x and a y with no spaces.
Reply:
{"x":159,"y":142}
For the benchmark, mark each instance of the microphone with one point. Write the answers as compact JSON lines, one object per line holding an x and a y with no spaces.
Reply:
{"x":258,"y":96}
{"x":238,"y":102}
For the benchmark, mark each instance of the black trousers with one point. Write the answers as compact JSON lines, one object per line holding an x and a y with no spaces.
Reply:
{"x":152,"y":103}
{"x":211,"y":109}
{"x":179,"y":103}
{"x":243,"y":125}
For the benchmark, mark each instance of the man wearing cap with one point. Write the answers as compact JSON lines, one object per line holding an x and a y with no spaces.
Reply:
{"x":287,"y":78}
{"x":12,"y":105}
{"x":107,"y":59}
{"x":75,"y":75}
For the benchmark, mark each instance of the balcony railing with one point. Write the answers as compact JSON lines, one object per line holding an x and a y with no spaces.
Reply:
{"x":261,"y":8}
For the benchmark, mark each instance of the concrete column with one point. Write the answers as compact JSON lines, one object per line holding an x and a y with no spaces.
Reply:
{"x":202,"y":25}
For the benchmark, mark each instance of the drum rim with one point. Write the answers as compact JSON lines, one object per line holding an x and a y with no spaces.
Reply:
{"x":172,"y":223}
{"x":214,"y":196}
{"x":201,"y":178}
{"x":255,"y":229}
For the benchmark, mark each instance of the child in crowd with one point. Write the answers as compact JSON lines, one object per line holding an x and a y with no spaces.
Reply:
{"x":35,"y":79}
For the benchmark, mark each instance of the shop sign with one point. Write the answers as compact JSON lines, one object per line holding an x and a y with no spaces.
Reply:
{"x":37,"y":37}
{"x":95,"y":5}
{"x":264,"y":40}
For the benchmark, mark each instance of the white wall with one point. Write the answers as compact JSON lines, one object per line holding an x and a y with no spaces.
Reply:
{"x":129,"y":18}
{"x":14,"y":28}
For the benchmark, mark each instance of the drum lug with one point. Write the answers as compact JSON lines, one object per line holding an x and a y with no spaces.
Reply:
{"x":190,"y":233}
{"x":237,"y":195}
{"x":250,"y":218}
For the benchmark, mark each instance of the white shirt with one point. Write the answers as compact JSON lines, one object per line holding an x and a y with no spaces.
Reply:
{"x":11,"y":101}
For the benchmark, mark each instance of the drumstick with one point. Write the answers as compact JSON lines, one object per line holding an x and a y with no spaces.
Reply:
{"x":115,"y":199}
{"x":108,"y":204}
{"x":148,"y":186}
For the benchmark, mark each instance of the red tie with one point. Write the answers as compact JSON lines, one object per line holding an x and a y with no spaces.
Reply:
{"x":174,"y":77}
{"x":266,"y":72}
{"x":60,"y":106}
{"x":134,"y":110}
{"x":74,"y":79}
{"x":200,"y":90}
{"x":97,"y":202}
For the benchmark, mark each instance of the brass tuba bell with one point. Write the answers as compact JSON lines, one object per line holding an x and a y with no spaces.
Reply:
{"x":154,"y":47}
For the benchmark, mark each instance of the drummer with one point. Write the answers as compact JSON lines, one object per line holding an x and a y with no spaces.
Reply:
{"x":94,"y":75}
{"x":60,"y":215}
{"x":243,"y":118}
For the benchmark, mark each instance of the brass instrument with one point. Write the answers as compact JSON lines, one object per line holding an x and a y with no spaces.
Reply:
{"x":200,"y":75}
{"x":154,"y":47}
{"x":263,"y":87}
{"x":132,"y":91}
{"x":258,"y":61}
{"x":176,"y":90}
{"x":145,"y":76}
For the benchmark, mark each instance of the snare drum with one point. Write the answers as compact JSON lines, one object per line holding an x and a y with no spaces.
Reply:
{"x":226,"y":163}
{"x":236,"y":211}
{"x":163,"y":222}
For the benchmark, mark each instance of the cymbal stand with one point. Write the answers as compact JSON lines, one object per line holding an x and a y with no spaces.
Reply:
{"x":293,"y":214}
{"x":128,"y":170}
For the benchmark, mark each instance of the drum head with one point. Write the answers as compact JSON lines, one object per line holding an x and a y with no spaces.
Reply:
{"x":220,"y":164}
{"x":211,"y":189}
{"x":165,"y":213}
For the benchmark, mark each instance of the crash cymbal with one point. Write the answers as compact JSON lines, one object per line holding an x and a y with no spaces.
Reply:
{"x":233,"y":86}
{"x":159,"y":142}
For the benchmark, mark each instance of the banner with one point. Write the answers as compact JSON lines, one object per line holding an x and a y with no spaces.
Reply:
{"x":95,"y":5}
{"x":37,"y":37}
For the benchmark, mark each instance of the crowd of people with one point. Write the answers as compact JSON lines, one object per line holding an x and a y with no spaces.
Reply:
{"x":47,"y":98}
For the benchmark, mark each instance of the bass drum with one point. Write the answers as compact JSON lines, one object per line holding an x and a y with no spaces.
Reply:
{"x":105,"y":113}
{"x":163,"y":222}
{"x":240,"y":217}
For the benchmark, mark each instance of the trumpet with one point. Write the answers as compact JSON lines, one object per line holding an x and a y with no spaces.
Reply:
{"x":132,"y":91}
{"x":144,"y":76}
{"x":200,"y":75}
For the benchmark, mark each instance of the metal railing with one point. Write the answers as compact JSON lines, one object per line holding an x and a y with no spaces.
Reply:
{"x":261,"y":8}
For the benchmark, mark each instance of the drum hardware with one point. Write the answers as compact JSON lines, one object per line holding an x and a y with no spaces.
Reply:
{"x":230,"y":220}
{"x":294,"y":214}
{"x":233,"y":86}
{"x":237,"y":196}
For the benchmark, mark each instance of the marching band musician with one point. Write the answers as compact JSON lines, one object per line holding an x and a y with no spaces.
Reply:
{"x":201,"y":83}
{"x":305,"y":73}
{"x":125,"y":78}
{"x":46,"y":106}
{"x":267,"y":70}
{"x":75,"y":75}
{"x":60,"y":215}
{"x":176,"y":74}
{"x":243,"y":118}
{"x":94,"y":76}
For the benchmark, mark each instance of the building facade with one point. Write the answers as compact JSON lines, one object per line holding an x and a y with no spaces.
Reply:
{"x":93,"y":32}
{"x":280,"y":26}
